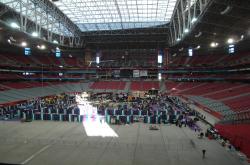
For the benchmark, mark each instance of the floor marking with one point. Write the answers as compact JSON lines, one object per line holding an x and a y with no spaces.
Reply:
{"x":35,"y":154}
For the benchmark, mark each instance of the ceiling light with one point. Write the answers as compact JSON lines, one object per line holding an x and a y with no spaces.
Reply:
{"x":186,"y":30}
{"x":242,"y":37}
{"x":14,"y":25}
{"x":42,"y":47}
{"x":194,"y":20}
{"x":55,"y":42}
{"x":178,"y":39}
{"x":198,"y":35}
{"x":60,"y":66}
{"x":34,"y":34}
{"x":230,"y":41}
{"x":23,"y":44}
{"x":159,"y":76}
{"x":12,"y":39}
{"x":214,"y":44}
{"x":226,"y":10}
{"x":9,"y":41}
{"x":197,"y":47}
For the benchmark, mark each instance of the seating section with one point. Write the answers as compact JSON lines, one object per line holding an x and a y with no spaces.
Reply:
{"x":203,"y":88}
{"x":18,"y":85}
{"x":36,"y":60}
{"x":21,"y":59}
{"x":44,"y":60}
{"x":222,"y":97}
{"x":2,"y":88}
{"x":180,"y":86}
{"x":55,"y":61}
{"x":21,"y":85}
{"x":242,"y":58}
{"x":70,"y":61}
{"x":9,"y":76}
{"x":119,"y":85}
{"x":239,"y":103}
{"x":144,"y":85}
{"x":233,"y":95}
{"x":230,"y":91}
{"x":27,"y":90}
{"x":211,"y":60}
{"x":218,"y":61}
{"x":237,"y":134}
{"x":209,"y":76}
{"x":24,"y":84}
{"x":109,"y":85}
{"x":5,"y":61}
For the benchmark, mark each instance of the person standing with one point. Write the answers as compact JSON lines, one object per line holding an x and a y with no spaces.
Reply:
{"x":203,"y":153}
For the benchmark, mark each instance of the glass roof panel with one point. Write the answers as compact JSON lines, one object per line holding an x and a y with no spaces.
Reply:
{"x":92,"y":15}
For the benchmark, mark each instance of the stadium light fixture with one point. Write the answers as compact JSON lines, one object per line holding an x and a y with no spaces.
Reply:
{"x":34,"y":34}
{"x":242,"y":37}
{"x":198,"y":35}
{"x":194,"y":20}
{"x":186,"y":30}
{"x":14,"y":25}
{"x":42,"y":47}
{"x":23,"y":44}
{"x":230,"y":41}
{"x":55,"y":41}
{"x":159,"y":76}
{"x":214,"y":44}
{"x":197,"y":47}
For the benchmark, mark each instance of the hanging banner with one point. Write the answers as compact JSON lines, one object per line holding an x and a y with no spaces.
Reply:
{"x":136,"y":73}
{"x":116,"y":73}
{"x":143,"y":73}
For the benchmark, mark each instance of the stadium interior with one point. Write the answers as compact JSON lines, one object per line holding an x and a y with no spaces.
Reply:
{"x":128,"y":82}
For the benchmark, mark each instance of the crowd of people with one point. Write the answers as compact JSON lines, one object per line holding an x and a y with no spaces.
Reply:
{"x":63,"y":104}
{"x":159,"y":105}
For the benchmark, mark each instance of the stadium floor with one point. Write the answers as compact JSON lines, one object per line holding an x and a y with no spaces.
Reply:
{"x":64,"y":143}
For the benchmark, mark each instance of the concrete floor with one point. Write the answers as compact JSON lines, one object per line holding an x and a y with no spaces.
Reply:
{"x":64,"y":143}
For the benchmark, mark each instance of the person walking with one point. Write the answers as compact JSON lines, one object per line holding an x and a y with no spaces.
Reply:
{"x":203,"y":153}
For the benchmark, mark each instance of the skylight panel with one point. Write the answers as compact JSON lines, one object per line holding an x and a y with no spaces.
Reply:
{"x":117,"y":14}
